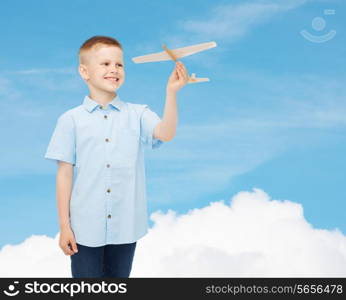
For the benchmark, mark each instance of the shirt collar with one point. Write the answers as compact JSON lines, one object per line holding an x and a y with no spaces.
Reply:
{"x":91,"y":104}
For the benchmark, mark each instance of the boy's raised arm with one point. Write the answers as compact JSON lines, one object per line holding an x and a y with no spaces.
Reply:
{"x":166,"y":129}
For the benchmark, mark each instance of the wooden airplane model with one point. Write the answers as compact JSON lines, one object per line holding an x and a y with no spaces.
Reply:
{"x":174,"y":54}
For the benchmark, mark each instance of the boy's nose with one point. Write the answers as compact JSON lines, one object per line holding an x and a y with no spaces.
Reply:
{"x":114,"y":71}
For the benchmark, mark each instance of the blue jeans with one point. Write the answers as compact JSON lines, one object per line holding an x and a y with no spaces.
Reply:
{"x":104,"y":261}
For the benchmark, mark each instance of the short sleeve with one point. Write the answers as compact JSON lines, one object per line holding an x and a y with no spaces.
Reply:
{"x":62,"y":145}
{"x":149,"y":119}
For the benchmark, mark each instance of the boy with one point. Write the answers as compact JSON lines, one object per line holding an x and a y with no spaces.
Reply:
{"x":104,"y":139}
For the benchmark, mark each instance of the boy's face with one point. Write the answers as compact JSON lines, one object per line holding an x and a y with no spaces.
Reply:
{"x":102,"y":68}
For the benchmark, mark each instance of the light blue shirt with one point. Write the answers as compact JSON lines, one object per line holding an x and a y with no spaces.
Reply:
{"x":108,"y":202}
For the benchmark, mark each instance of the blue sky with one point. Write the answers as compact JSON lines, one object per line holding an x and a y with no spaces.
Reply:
{"x":272,"y":116}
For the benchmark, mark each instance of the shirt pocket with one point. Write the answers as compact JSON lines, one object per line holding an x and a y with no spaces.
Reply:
{"x":128,"y":142}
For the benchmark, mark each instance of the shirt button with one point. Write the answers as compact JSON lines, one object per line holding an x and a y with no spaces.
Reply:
{"x":107,"y":140}
{"x":109,"y":216}
{"x":108,"y":165}
{"x":105,"y":116}
{"x":109,"y":190}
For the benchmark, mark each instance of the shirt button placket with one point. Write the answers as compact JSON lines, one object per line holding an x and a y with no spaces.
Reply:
{"x":108,"y":146}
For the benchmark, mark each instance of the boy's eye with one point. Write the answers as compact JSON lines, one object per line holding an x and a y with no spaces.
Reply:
{"x":120,"y":65}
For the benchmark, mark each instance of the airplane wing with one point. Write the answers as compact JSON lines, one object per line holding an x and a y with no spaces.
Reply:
{"x":185,"y":51}
{"x":178,"y":53}
{"x":159,"y":56}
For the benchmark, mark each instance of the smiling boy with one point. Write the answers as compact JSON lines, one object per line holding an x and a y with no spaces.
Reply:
{"x":103,"y":211}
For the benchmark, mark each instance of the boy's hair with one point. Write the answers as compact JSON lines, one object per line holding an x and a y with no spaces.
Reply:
{"x":94,"y":42}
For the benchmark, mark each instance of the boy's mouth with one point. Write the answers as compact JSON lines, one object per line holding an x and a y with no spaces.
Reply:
{"x":112,"y":79}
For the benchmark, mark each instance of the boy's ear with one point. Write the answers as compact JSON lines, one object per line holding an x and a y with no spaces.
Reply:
{"x":83,"y":71}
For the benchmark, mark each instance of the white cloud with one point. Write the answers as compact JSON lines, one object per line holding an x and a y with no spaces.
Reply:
{"x":36,"y":256}
{"x":8,"y":92}
{"x":66,"y":70}
{"x":227,"y":23}
{"x":230,"y":21}
{"x":253,"y":236}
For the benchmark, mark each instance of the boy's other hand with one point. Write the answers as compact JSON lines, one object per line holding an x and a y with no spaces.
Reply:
{"x":178,"y":78}
{"x":67,"y":241}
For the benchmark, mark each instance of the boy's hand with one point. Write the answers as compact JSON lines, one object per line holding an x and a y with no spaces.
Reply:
{"x":179,"y":77}
{"x":67,"y":241}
